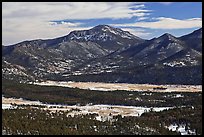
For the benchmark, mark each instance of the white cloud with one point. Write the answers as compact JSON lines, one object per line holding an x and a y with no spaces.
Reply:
{"x":31,"y":20}
{"x":141,"y":18}
{"x":64,"y":23}
{"x":166,"y":23}
{"x":137,"y":32}
{"x":35,"y":30}
{"x":71,"y":10}
{"x":166,"y":3}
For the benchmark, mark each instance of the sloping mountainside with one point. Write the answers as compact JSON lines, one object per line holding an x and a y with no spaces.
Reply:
{"x":107,"y":54}
{"x":194,"y":40}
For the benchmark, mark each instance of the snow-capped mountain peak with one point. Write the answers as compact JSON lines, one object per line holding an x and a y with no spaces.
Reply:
{"x":101,"y":33}
{"x":167,"y":38}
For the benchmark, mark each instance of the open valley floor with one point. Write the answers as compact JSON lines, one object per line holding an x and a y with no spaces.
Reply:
{"x":104,"y":107}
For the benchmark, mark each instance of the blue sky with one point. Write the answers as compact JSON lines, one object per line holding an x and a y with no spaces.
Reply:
{"x":26,"y":21}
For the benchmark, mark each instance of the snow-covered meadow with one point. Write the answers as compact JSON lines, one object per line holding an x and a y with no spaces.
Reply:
{"x":104,"y":111}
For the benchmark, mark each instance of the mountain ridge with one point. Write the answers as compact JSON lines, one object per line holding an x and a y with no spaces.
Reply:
{"x":104,"y":51}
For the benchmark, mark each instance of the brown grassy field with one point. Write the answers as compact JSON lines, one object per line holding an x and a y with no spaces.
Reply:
{"x":125,"y":86}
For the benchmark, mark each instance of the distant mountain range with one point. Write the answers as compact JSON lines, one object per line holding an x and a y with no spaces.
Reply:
{"x":107,"y":54}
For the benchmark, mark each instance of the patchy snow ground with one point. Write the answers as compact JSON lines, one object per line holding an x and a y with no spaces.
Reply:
{"x":105,"y":112}
{"x":181,"y":129}
{"x":8,"y":106}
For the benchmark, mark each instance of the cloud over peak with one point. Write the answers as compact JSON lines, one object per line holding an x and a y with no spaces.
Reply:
{"x":166,"y":23}
{"x":33,"y":20}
